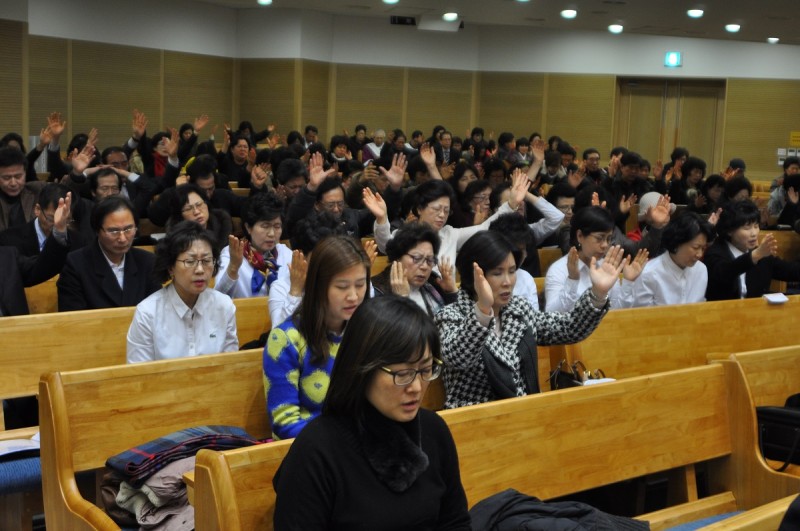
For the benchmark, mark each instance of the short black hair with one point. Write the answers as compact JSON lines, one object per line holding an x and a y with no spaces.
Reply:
{"x":788,"y":161}
{"x":505,"y":137}
{"x":736,"y":214}
{"x":474,"y":187}
{"x":327,"y":185}
{"x":677,"y":153}
{"x":290,"y":169}
{"x":109,"y":205}
{"x":565,"y":149}
{"x":180,"y":198}
{"x":618,"y":150}
{"x":513,"y":226}
{"x":589,"y":151}
{"x":590,"y":219}
{"x":561,"y":189}
{"x":313,"y":228}
{"x":294,"y":137}
{"x":693,"y":163}
{"x":339,"y":140}
{"x":476,"y":131}
{"x":497,"y":194}
{"x":712,"y":181}
{"x":409,"y":236}
{"x":552,"y":158}
{"x":110,"y":150}
{"x":10,"y":156}
{"x":683,"y":228}
{"x":522,"y":141}
{"x":311,"y":128}
{"x":261,"y":207}
{"x":12,"y":137}
{"x":178,"y":240}
{"x":792,"y":181}
{"x":430,"y":191}
{"x":631,"y":158}
{"x":94,"y":178}
{"x":737,"y":184}
{"x":488,"y":249}
{"x":494,"y":164}
{"x":201,"y":167}
{"x":50,"y":194}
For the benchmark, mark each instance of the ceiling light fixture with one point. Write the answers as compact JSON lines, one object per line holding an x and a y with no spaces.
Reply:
{"x":615,"y":28}
{"x":264,"y":2}
{"x":695,"y":13}
{"x":773,"y":40}
{"x":569,"y":13}
{"x":732,"y":28}
{"x":450,"y":17}
{"x":523,"y":1}
{"x":390,"y":1}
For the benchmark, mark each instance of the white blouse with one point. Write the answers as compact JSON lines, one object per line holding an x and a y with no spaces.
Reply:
{"x":662,"y":282}
{"x":240,"y":288}
{"x":561,"y":292}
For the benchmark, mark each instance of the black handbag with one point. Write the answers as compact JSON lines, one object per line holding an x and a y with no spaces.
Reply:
{"x":563,"y":376}
{"x":779,"y":432}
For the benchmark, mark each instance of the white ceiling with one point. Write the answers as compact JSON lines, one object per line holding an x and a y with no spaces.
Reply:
{"x":759,"y":19}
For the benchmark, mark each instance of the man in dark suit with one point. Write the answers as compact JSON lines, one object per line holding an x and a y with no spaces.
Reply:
{"x":109,"y":272}
{"x":445,"y":154}
{"x":20,"y":272}
{"x":30,"y":238}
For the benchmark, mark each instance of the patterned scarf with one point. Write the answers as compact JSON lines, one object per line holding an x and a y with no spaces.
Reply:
{"x":264,"y":269}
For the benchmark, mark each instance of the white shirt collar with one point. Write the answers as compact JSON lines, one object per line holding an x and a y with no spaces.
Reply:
{"x":40,"y":235}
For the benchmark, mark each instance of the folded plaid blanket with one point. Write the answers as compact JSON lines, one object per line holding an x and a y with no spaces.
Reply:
{"x":141,"y":462}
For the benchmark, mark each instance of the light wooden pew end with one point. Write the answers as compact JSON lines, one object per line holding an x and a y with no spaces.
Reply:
{"x":690,"y":511}
{"x":767,"y":517}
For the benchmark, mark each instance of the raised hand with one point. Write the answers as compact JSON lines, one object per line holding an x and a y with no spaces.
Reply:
{"x":519,"y":188}
{"x":625,"y":204}
{"x":398,"y":280}
{"x":427,"y":154}
{"x":375,"y":203}
{"x":236,"y":250}
{"x":596,"y":200}
{"x":258,"y":175}
{"x":396,"y":172}
{"x":606,"y":275}
{"x":768,"y":247}
{"x":93,"y":136}
{"x":631,"y":269}
{"x":371,"y":248}
{"x":448,"y":280}
{"x":446,"y":170}
{"x":538,"y":148}
{"x":139,"y":124}
{"x":573,"y":266}
{"x":82,"y":160}
{"x":171,"y":145}
{"x":62,"y":215}
{"x":700,"y":201}
{"x":56,"y":125}
{"x":200,"y":122}
{"x":483,"y":290}
{"x":481,"y":215}
{"x":317,"y":173}
{"x":614,"y":165}
{"x":658,"y":170}
{"x":297,"y":274}
{"x":658,"y":216}
{"x":792,"y":195}
{"x":45,"y":137}
{"x":714,"y":216}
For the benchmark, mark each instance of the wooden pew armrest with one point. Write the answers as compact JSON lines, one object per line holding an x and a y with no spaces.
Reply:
{"x":20,"y":433}
{"x":690,"y":511}
{"x":767,"y":516}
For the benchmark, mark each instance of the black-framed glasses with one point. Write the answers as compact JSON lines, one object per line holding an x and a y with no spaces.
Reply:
{"x":418,"y":259}
{"x":406,"y":376}
{"x":191,"y":263}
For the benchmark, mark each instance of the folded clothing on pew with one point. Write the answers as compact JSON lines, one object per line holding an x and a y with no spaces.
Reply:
{"x":137,"y":464}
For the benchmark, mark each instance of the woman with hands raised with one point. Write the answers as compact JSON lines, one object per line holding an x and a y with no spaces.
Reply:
{"x":591,"y":234}
{"x":489,"y":337}
{"x":412,"y":254}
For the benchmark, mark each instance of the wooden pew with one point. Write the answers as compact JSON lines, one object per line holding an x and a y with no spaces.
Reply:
{"x":762,"y":518}
{"x":43,"y":298}
{"x":548,"y":255}
{"x":636,"y":341}
{"x":88,"y":416}
{"x":556,"y":444}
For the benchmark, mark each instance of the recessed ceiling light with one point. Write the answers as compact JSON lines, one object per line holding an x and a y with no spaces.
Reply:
{"x":450,"y":17}
{"x":264,"y":2}
{"x":773,"y":40}
{"x":695,"y":13}
{"x":732,"y":28}
{"x":390,"y":1}
{"x":569,"y":13}
{"x":615,"y":28}
{"x":523,"y":1}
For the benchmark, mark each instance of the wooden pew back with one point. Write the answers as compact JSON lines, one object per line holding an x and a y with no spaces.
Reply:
{"x":555,"y":444}
{"x":772,"y":375}
{"x":637,"y":341}
{"x":88,"y":416}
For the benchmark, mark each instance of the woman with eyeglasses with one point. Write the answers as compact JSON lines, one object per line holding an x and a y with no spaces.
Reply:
{"x":191,"y":203}
{"x":300,"y":352}
{"x":249,"y":266}
{"x":184,"y":318}
{"x":592,"y":235}
{"x":489,"y":336}
{"x":412,"y":255}
{"x":374,"y":459}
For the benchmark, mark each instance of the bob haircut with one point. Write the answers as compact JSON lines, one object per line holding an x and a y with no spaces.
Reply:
{"x":331,"y":256}
{"x":458,"y":172}
{"x":430,"y":191}
{"x":409,"y":236}
{"x":488,"y":249}
{"x":181,"y":198}
{"x":383,"y":331}
{"x":513,"y":226}
{"x":588,"y":220}
{"x":476,"y":187}
{"x":261,"y":207}
{"x":177,"y":241}
{"x":713,"y":181}
{"x":677,"y":153}
{"x":694,"y":163}
{"x":314,"y":228}
{"x":289,"y":169}
{"x":683,"y":228}
{"x":736,"y":185}
{"x":736,"y":214}
{"x":108,"y":206}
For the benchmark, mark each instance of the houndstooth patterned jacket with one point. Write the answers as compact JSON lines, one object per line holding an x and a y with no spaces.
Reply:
{"x":463,"y":337}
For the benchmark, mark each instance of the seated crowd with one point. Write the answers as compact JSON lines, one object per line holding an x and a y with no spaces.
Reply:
{"x":434,"y":207}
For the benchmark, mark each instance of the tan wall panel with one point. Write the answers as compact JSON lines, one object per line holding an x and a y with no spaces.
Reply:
{"x":438,"y":97}
{"x":759,"y":116}
{"x":372,"y":95}
{"x":11,"y":35}
{"x":315,"y":99}
{"x":194,"y":85}
{"x":108,"y":82}
{"x":510,"y":102}
{"x":47,"y":89}
{"x":698,"y":127}
{"x":580,"y":109}
{"x":267,"y":93}
{"x":640,"y":117}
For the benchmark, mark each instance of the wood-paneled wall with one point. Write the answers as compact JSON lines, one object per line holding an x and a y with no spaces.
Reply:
{"x":97,"y":85}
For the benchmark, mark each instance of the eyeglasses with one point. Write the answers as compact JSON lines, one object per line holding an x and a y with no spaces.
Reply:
{"x":406,"y":376}
{"x":191,"y":263}
{"x":16,"y":176}
{"x":565,"y":208}
{"x":418,"y":259}
{"x":116,"y":232}
{"x":440,"y":209}
{"x":599,"y":238}
{"x":199,"y":206}
{"x":330,"y":205}
{"x":481,"y":197}
{"x":108,"y":189}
